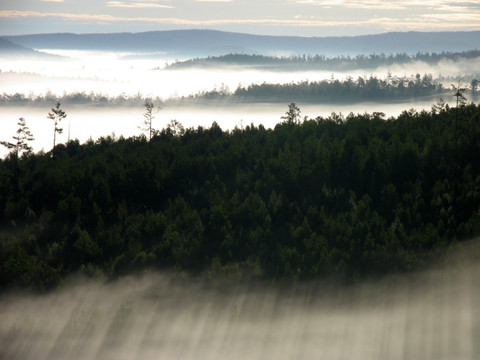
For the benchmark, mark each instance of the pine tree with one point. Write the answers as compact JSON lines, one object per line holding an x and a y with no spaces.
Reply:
{"x":292,"y":116}
{"x":24,"y":135}
{"x":19,"y":146}
{"x":56,"y":115}
{"x":148,"y":121}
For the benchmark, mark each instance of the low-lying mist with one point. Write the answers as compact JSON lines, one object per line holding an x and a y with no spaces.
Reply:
{"x":429,"y":315}
{"x":113,"y":74}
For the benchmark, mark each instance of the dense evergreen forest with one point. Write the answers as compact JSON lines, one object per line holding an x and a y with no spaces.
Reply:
{"x":322,"y":62}
{"x":353,"y":196}
{"x":363,"y":88}
{"x":334,"y":91}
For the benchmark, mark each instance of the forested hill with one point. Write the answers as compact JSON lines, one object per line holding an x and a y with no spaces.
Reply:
{"x":10,"y":49}
{"x":331,"y":91}
{"x":353,"y":196}
{"x":322,"y":62}
{"x":193,"y":43}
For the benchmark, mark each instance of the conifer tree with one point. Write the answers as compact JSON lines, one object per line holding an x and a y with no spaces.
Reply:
{"x":56,"y":115}
{"x":23,"y":136}
{"x":19,"y":146}
{"x":292,"y":116}
{"x":147,"y":125}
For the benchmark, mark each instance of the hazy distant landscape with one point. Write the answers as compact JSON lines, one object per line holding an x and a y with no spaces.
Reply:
{"x":192,"y":43}
{"x":108,"y":71}
{"x":204,"y":194}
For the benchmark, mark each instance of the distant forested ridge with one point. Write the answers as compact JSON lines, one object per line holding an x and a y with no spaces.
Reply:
{"x":199,"y":42}
{"x":322,"y":62}
{"x":352,"y":196}
{"x":74,"y":98}
{"x":350,"y":90}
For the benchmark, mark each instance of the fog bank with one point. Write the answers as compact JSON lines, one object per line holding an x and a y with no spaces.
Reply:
{"x":432,"y":315}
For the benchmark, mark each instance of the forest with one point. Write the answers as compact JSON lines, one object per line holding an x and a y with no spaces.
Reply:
{"x":328,"y":91}
{"x":334,"y":91}
{"x":322,"y":62}
{"x":350,"y":196}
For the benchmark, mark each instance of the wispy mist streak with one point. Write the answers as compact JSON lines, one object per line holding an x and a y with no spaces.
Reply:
{"x":432,"y":316}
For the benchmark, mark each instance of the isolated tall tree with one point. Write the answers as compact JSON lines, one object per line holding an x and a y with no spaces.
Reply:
{"x":20,"y":146}
{"x":147,"y":125}
{"x":57,"y":115}
{"x":461,"y":100}
{"x":458,"y":93}
{"x":22,"y":138}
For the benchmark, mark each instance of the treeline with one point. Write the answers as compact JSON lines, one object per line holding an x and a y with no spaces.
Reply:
{"x":349,"y":90}
{"x":74,"y":98}
{"x":322,"y":62}
{"x":350,"y":196}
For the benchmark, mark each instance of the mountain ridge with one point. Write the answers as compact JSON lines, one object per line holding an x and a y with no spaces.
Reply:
{"x":9,"y":48}
{"x":197,"y":42}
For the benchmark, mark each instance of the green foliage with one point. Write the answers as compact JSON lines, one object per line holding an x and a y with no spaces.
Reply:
{"x":353,"y":196}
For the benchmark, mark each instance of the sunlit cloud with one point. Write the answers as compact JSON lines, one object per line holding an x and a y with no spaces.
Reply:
{"x":214,"y":0}
{"x":436,"y":21}
{"x":57,"y":1}
{"x":137,"y":5}
{"x":453,"y":17}
{"x":355,"y":4}
{"x":392,"y":5}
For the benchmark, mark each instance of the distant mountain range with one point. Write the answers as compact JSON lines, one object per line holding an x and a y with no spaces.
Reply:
{"x":210,"y":42}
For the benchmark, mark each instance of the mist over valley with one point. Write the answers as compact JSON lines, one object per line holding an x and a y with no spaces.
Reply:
{"x":202,"y":194}
{"x":430,"y":315}
{"x":93,"y":84}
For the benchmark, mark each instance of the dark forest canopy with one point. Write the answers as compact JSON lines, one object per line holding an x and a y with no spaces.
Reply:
{"x":322,"y":62}
{"x":352,"y":196}
{"x":350,"y":90}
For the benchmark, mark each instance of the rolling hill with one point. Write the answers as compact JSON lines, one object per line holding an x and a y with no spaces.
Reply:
{"x":210,"y":42}
{"x":9,"y":48}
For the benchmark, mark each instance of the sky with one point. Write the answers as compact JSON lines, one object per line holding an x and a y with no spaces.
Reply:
{"x":266,"y":17}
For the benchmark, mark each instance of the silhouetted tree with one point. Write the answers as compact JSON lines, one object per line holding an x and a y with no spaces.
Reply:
{"x":148,"y":121}
{"x":56,"y":115}
{"x":461,"y":99}
{"x":22,"y":138}
{"x":292,"y":116}
{"x":19,"y":146}
{"x":176,"y":128}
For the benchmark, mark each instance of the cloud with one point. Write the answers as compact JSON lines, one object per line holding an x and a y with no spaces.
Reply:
{"x":57,"y":1}
{"x":425,"y":22}
{"x":443,"y":5}
{"x":354,"y":4}
{"x":137,"y":5}
{"x":446,"y":18}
